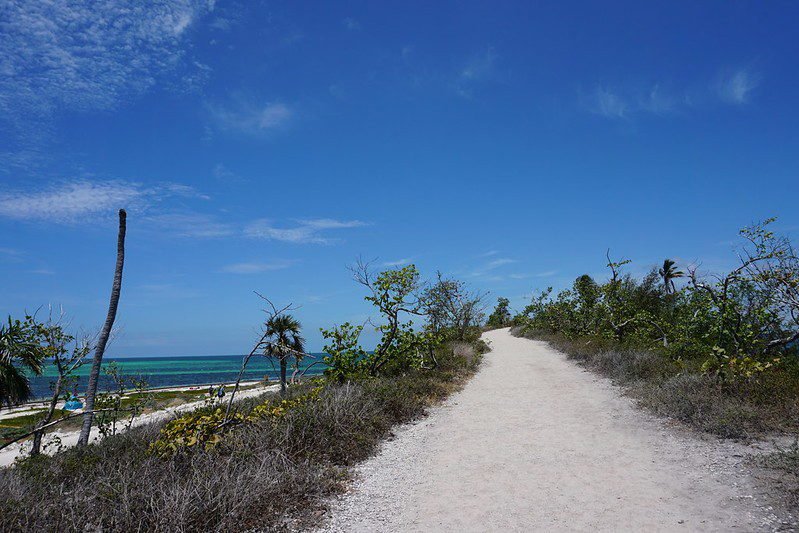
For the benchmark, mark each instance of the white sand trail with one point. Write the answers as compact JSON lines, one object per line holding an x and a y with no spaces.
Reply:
{"x":535,"y":443}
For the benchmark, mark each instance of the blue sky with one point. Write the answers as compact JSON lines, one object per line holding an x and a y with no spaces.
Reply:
{"x":265,"y":145}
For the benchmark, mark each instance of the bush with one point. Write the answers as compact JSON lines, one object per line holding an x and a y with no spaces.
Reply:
{"x":680,"y":390}
{"x":262,"y":474}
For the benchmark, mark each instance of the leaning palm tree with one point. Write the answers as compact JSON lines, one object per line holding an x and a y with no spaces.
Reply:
{"x":669,"y":273}
{"x":105,"y":333}
{"x":19,"y":351}
{"x":283,"y":341}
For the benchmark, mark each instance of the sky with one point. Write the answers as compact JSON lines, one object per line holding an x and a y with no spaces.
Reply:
{"x":264,"y":146}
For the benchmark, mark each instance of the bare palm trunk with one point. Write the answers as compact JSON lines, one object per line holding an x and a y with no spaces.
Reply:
{"x":116,"y":288}
{"x":283,"y":368}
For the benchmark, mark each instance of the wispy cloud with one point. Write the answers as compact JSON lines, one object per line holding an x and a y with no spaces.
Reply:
{"x":351,"y":24}
{"x":88,"y":55}
{"x":224,"y":174}
{"x":191,"y":225}
{"x":256,"y":268}
{"x":478,"y":68}
{"x":11,"y":254}
{"x":489,"y":267}
{"x":398,"y":262}
{"x":305,"y":232}
{"x":81,"y":200}
{"x":736,"y":87}
{"x":608,"y":104}
{"x":168,"y":291}
{"x":496,"y":263}
{"x":546,"y":274}
{"x":626,"y":102}
{"x":250,"y":118}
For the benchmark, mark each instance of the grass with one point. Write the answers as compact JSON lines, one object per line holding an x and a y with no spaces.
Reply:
{"x":746,"y":408}
{"x":262,"y":476}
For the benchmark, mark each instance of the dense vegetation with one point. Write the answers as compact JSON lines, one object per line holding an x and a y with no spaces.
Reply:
{"x":719,"y":352}
{"x":264,"y":462}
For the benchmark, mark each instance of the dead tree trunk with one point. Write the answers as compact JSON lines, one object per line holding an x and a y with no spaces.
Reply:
{"x":116,"y":288}
{"x":37,"y":437}
{"x":283,"y":368}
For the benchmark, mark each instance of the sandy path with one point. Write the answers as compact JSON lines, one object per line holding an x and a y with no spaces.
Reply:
{"x":534,"y":443}
{"x":70,"y":438}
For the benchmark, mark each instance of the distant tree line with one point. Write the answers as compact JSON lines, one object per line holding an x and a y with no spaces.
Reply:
{"x":738,"y":323}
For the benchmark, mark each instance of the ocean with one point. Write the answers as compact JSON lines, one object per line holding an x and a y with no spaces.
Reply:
{"x":175,"y":371}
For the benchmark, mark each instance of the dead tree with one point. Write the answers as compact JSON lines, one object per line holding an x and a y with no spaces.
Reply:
{"x":105,"y":333}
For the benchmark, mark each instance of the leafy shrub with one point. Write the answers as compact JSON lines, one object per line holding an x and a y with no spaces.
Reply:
{"x":205,"y":427}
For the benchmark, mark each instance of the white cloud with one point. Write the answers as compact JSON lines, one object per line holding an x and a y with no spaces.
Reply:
{"x":658,"y":101}
{"x":733,"y":88}
{"x":351,"y":24}
{"x":398,"y":262}
{"x":191,"y":225}
{"x":10,"y":253}
{"x":736,"y":87}
{"x":496,"y":263}
{"x":478,"y":68}
{"x":88,"y":55}
{"x":329,"y":223}
{"x":306,"y":232}
{"x":256,"y":268}
{"x":608,"y":104}
{"x":546,"y":274}
{"x":224,"y":174}
{"x":168,"y":291}
{"x":249,"y":118}
{"x":490,"y":266}
{"x":81,"y":200}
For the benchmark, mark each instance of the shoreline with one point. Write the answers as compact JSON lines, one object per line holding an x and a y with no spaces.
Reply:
{"x":36,"y":405}
{"x":68,"y":439}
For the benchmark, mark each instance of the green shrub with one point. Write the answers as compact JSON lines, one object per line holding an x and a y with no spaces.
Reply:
{"x":274,"y":467}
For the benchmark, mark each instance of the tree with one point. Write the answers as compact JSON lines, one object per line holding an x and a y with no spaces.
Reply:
{"x":669,"y":273}
{"x":105,"y":333}
{"x":345,"y":358}
{"x":501,"y":315}
{"x":452,"y":308}
{"x":66,"y":362}
{"x":21,"y":349}
{"x":283,"y":341}
{"x":755,"y":307}
{"x":396,"y":294}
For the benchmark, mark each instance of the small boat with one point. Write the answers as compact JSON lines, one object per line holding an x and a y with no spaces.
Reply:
{"x":72,"y":404}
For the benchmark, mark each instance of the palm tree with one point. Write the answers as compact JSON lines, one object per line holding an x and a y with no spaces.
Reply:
{"x":284,"y":340}
{"x":19,"y":351}
{"x":105,"y":333}
{"x":669,"y":273}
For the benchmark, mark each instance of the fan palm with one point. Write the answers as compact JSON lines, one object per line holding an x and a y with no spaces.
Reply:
{"x":19,"y":351}
{"x":669,"y":273}
{"x":284,"y":340}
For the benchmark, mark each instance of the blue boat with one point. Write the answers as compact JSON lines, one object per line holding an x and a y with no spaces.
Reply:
{"x":72,"y":404}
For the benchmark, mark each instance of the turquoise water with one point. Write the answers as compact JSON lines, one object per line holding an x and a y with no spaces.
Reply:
{"x":175,"y":371}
